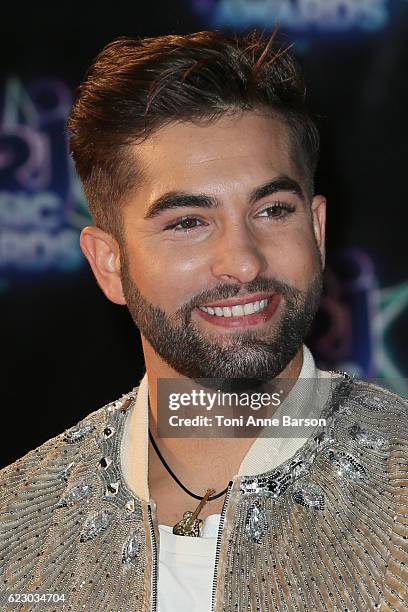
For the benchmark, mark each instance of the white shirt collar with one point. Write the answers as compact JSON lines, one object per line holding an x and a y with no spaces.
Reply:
{"x":264,"y":454}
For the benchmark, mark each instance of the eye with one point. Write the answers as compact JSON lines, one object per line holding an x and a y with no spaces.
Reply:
{"x":185,"y":224}
{"x":278,"y":211}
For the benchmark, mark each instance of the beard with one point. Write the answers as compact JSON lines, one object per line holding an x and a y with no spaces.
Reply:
{"x":249,"y":355}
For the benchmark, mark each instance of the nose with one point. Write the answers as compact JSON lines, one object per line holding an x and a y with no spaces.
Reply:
{"x":238,"y":256}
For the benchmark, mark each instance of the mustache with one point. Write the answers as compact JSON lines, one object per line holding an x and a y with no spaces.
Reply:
{"x":227,"y":290}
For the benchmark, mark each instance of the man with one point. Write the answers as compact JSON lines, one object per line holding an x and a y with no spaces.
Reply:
{"x":197,"y":158}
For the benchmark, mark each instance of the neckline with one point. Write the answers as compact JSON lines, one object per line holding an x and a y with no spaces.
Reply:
{"x":132,"y":456}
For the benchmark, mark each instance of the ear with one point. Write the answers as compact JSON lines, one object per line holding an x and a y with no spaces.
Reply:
{"x":319,"y":224}
{"x":103,"y":254}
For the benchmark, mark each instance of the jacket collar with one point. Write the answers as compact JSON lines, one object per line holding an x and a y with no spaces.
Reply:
{"x":264,"y":454}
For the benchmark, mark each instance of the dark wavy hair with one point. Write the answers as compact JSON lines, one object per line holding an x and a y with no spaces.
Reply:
{"x":136,"y":86}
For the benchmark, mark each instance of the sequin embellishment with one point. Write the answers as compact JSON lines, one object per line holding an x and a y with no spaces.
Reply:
{"x":346,"y":465}
{"x":276,"y":483}
{"x":75,"y":495}
{"x":112,"y":488}
{"x":78,"y":433}
{"x":309,"y":495}
{"x":130,"y":505}
{"x":96,"y":523}
{"x":255,"y":524}
{"x":105,"y":462}
{"x":131,"y":549}
{"x":66,"y":472}
{"x":108,"y":432}
{"x":365,"y":438}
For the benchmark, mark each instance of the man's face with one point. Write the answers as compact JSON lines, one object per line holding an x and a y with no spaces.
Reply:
{"x":221,"y":267}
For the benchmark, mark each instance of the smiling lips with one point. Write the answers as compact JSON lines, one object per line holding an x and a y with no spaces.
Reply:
{"x":240,"y":312}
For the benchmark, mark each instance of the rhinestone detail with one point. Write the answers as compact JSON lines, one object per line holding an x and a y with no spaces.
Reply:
{"x":105,"y":462}
{"x":276,"y":483}
{"x":66,"y":472}
{"x":112,"y":488}
{"x":131,"y":549}
{"x":108,"y":431}
{"x":255,"y":524}
{"x":75,"y":495}
{"x":365,"y":438}
{"x":309,"y":495}
{"x":130,"y":505}
{"x":78,"y":433}
{"x":346,"y":465}
{"x":96,"y":523}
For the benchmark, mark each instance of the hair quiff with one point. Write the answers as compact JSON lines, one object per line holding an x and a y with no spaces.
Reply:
{"x":136,"y":86}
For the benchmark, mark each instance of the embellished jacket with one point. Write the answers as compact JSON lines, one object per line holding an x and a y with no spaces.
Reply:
{"x":325,"y":530}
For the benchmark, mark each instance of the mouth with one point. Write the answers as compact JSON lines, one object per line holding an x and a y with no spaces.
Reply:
{"x":240,"y":312}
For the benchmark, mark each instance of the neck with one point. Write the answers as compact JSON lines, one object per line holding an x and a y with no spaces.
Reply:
{"x":224,"y":454}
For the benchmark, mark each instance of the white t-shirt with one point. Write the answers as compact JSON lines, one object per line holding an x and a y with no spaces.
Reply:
{"x":186,"y":568}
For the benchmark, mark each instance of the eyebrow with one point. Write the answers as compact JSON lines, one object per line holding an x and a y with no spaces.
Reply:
{"x":180,"y":199}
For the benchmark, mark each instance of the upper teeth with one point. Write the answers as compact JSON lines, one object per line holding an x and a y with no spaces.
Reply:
{"x":235,"y":311}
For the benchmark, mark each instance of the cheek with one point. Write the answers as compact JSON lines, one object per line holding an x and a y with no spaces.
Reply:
{"x":168,"y":277}
{"x":295,"y":259}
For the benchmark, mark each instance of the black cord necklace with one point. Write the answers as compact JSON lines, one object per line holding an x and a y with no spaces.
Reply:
{"x":172,"y":474}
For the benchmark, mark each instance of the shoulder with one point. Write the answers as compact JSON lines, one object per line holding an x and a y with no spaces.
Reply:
{"x":49,"y":496}
{"x":370,"y":398}
{"x":52,"y":457}
{"x":370,"y":415}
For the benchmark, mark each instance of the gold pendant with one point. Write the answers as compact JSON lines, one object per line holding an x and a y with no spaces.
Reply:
{"x":190,"y":524}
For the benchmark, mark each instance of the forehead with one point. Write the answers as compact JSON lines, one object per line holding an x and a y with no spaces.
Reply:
{"x":231,"y":153}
